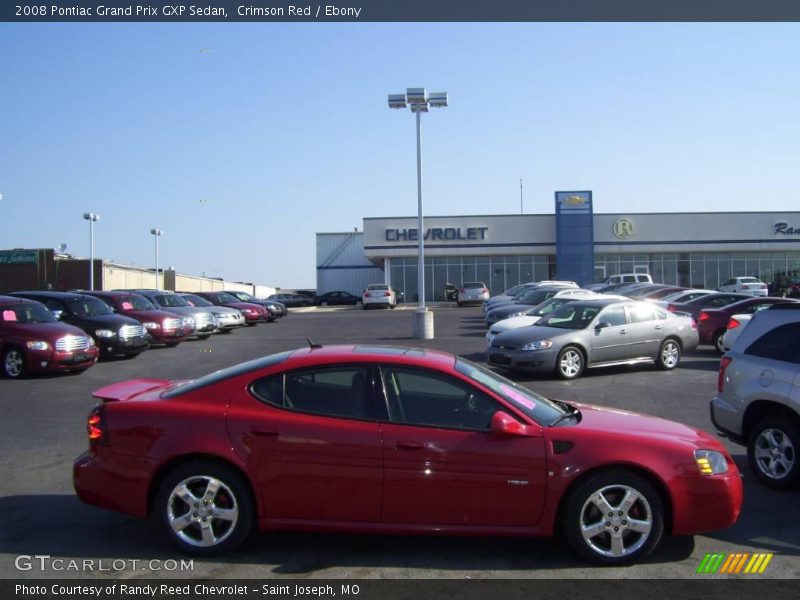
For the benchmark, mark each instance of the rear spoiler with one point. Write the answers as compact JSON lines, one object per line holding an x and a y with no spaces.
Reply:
{"x":125,"y":390}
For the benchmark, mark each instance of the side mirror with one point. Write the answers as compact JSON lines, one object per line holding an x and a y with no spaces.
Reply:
{"x":504,"y":424}
{"x":602,"y":325}
{"x":58,"y":314}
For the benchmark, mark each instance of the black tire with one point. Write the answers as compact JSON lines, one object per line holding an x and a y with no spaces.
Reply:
{"x":14,"y":363}
{"x":226,"y":330}
{"x":669,"y":354}
{"x":172,"y":344}
{"x":459,"y":304}
{"x":205,"y":336}
{"x":617,"y":535}
{"x":251,"y":323}
{"x":232,"y":496}
{"x":717,"y":341}
{"x":570,"y":363}
{"x":772,"y":451}
{"x":364,"y":306}
{"x":392,"y":306}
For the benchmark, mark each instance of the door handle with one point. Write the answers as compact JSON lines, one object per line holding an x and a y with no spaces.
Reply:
{"x":265,"y":432}
{"x":408,"y":445}
{"x":659,"y":327}
{"x":623,"y":331}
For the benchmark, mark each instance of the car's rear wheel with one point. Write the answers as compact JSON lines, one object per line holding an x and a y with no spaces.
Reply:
{"x":570,"y":363}
{"x":718,"y":341}
{"x":206,"y":508}
{"x":14,"y":363}
{"x":772,"y":451}
{"x":614,"y":518}
{"x":669,"y":354}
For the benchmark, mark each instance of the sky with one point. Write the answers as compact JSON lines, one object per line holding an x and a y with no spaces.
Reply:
{"x":242,"y":141}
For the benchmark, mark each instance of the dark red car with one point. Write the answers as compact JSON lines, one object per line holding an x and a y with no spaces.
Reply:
{"x":713,"y":322}
{"x":164,"y":327}
{"x":715,"y":300}
{"x":397,"y":440}
{"x":253,"y":313}
{"x":32,"y":340}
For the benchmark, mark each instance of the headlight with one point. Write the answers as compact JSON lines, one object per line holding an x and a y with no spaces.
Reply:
{"x":517,"y":314}
{"x":38,"y":345}
{"x":104,"y":333}
{"x":150,"y":325}
{"x":710,"y":462}
{"x":537,"y":345}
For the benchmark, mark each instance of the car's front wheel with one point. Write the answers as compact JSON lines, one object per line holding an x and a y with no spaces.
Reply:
{"x":570,"y":363}
{"x":720,"y":347}
{"x":772,"y":451}
{"x":614,"y":518}
{"x":206,"y":508}
{"x":14,"y":363}
{"x":669,"y":355}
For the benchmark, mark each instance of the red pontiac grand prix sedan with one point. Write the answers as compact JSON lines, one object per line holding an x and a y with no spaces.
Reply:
{"x":396,"y":440}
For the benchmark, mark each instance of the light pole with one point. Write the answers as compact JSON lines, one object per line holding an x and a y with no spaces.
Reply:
{"x":418,"y":101}
{"x":91,"y":217}
{"x":157,"y":234}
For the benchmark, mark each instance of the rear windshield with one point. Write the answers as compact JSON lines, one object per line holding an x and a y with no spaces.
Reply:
{"x":171,"y":300}
{"x":377,"y":286}
{"x":748,"y":280}
{"x":474,"y":285}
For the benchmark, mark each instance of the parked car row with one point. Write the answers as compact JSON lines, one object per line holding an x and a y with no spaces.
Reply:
{"x":51,"y":332}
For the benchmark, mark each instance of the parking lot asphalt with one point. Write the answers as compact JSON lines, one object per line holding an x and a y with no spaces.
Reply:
{"x":42,"y":430}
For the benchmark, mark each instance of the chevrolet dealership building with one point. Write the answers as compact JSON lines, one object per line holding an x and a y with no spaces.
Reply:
{"x":687,"y":249}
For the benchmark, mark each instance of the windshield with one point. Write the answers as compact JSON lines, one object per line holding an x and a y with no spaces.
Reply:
{"x":536,"y":297}
{"x":170,"y":300}
{"x":28,"y":312}
{"x":86,"y":306}
{"x":538,"y":408}
{"x":549,"y":306}
{"x":571,"y":316}
{"x":134,"y":303}
{"x":243,"y":296}
{"x":223,"y":298}
{"x":193,"y":300}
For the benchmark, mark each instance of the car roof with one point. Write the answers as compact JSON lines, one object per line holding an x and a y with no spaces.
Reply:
{"x":51,"y":294}
{"x":14,"y":300}
{"x":375,"y":353}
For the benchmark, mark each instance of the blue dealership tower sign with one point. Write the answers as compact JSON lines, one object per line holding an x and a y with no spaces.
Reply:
{"x":574,"y":237}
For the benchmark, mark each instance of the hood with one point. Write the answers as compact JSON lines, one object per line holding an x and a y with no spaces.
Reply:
{"x":514,"y":323}
{"x":621,"y":423}
{"x":152,"y":315}
{"x":44,"y":331}
{"x":245,"y":305}
{"x":114,"y":321}
{"x":509,"y":309}
{"x":220,"y":310}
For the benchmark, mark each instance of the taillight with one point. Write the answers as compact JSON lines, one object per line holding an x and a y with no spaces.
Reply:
{"x":485,"y":291}
{"x":387,"y":293}
{"x":763,"y":286}
{"x":733,"y":323}
{"x":671,"y":308}
{"x":96,"y":426}
{"x":704,"y":316}
{"x":723,"y":365}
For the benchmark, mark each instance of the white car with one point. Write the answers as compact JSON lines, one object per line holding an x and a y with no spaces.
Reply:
{"x":472,"y":292}
{"x":735,"y":326}
{"x":378,"y":294}
{"x":752,"y":286}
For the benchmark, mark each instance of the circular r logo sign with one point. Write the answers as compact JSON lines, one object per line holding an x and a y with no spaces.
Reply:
{"x":623,"y":228}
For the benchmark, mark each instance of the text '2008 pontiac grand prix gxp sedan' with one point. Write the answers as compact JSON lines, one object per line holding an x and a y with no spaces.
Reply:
{"x":396,"y":440}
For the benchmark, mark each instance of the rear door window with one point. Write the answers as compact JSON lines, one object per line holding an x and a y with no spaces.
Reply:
{"x":781,"y":343}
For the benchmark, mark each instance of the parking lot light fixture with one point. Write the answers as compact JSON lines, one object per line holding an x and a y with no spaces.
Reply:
{"x":157,"y":234}
{"x":418,"y":100}
{"x":91,"y":217}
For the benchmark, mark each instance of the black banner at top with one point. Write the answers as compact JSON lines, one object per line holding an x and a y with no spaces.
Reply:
{"x":147,"y":11}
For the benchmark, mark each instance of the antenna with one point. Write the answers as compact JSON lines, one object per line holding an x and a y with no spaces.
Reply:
{"x":312,"y":345}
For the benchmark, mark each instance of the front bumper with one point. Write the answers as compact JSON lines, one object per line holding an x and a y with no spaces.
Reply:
{"x":129,"y":346}
{"x":541,"y":361}
{"x":52,"y":361}
{"x":707,"y":503}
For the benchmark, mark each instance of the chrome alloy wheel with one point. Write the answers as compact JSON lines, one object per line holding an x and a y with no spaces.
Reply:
{"x":670,"y":354}
{"x":14,"y":363}
{"x":571,"y":363}
{"x":774,"y":453}
{"x":616,"y":521}
{"x":202,"y":511}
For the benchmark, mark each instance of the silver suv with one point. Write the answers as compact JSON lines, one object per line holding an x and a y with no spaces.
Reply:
{"x":758,"y":394}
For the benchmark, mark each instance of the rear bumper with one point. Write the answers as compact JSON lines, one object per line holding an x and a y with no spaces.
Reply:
{"x":114,"y":482}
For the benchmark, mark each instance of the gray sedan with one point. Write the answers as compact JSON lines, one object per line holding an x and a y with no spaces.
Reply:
{"x":596,"y":333}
